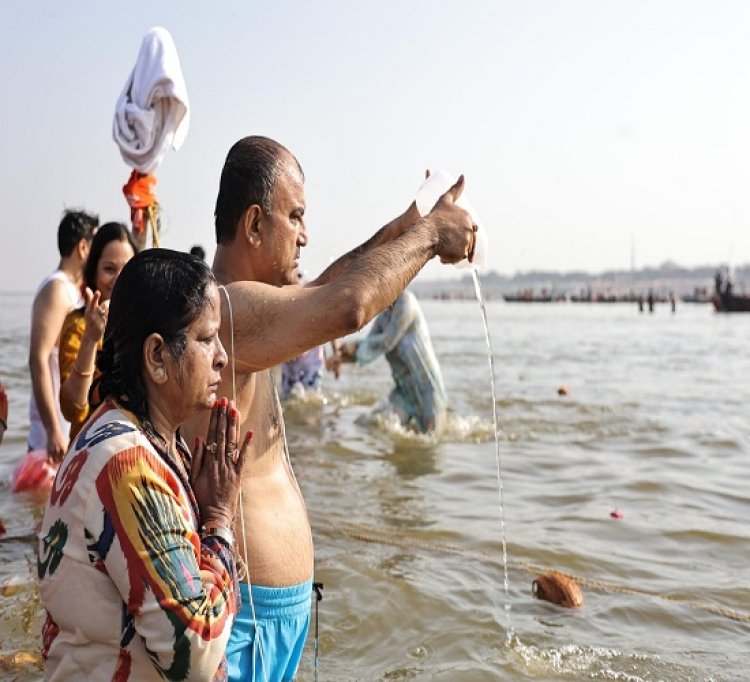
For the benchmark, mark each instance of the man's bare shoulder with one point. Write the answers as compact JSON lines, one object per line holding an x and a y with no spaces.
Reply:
{"x":261,"y":298}
{"x":273,"y":324}
{"x":248,"y":289}
{"x":54,"y":294}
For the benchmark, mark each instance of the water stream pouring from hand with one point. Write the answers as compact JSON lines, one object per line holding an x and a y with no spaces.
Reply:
{"x":491,"y":360}
{"x":428,"y":194}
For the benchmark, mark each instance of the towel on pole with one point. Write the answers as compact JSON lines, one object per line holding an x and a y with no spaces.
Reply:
{"x":152,"y":113}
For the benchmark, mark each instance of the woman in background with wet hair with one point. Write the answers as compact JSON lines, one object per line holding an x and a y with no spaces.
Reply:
{"x":136,"y":556}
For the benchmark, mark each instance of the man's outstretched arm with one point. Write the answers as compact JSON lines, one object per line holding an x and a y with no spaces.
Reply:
{"x":275,"y":324}
{"x":388,"y":232}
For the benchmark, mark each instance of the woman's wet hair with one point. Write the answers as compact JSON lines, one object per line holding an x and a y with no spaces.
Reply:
{"x":109,"y":232}
{"x":159,"y":291}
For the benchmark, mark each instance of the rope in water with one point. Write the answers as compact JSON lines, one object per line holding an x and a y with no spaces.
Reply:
{"x":400,"y":539}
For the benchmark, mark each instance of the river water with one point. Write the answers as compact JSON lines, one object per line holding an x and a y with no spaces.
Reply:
{"x":408,"y":529}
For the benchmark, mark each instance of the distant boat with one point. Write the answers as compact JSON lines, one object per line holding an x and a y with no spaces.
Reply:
{"x":727,"y":302}
{"x":530,"y":297}
{"x":601,"y":297}
{"x":699,"y":295}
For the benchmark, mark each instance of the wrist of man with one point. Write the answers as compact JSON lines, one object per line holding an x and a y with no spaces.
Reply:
{"x":53,"y":433}
{"x":409,"y":217}
{"x":431,"y":234}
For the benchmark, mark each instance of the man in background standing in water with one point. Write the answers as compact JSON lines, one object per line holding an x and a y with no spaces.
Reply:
{"x":401,"y":334}
{"x":3,"y":411}
{"x":57,"y":295}
{"x":305,"y":372}
{"x":260,"y":230}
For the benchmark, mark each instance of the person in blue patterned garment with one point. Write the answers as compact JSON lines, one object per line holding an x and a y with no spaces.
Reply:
{"x":303,"y":373}
{"x":401,"y":334}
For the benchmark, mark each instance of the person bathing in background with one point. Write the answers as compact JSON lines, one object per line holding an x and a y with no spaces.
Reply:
{"x":3,"y":411}
{"x":83,"y":329}
{"x":57,"y":295}
{"x":305,"y":372}
{"x":136,"y":563}
{"x":401,"y":334}
{"x":260,"y":229}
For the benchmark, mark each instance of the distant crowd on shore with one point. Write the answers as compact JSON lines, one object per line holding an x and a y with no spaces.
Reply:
{"x":544,"y":295}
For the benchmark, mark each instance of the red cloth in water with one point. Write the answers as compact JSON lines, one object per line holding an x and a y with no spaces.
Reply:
{"x":34,"y":473}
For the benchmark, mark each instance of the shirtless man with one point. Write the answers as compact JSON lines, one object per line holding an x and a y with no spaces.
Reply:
{"x":3,"y":411}
{"x":260,"y":229}
{"x":57,"y":295}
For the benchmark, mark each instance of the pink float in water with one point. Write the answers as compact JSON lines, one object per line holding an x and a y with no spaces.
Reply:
{"x":616,"y":514}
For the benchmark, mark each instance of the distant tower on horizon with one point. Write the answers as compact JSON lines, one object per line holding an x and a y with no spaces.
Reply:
{"x":632,"y":253}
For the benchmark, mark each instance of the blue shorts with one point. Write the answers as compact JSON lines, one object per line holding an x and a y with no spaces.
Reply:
{"x":283,"y":618}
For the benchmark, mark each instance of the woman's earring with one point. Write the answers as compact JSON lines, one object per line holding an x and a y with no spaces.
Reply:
{"x":160,"y":375}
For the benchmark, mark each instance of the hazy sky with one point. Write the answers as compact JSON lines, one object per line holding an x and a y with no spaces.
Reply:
{"x":582,"y":127}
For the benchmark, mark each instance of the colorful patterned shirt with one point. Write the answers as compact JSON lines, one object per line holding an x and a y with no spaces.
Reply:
{"x":400,"y":332}
{"x":130,"y":589}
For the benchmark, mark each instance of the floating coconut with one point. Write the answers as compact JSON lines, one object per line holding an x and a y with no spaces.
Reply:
{"x":558,"y":589}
